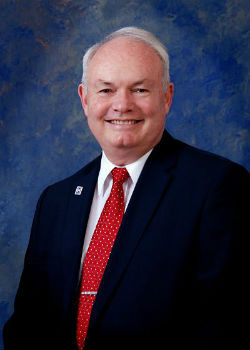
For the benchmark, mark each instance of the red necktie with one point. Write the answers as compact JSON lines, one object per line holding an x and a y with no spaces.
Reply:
{"x":98,"y":252}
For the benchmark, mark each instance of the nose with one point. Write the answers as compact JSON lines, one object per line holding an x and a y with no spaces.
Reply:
{"x":122,"y":102}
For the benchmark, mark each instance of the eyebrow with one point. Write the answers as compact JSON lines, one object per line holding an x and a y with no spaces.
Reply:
{"x":139,"y":82}
{"x":103,"y":82}
{"x":149,"y":83}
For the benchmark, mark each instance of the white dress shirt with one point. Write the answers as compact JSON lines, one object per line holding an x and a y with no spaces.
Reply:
{"x":103,"y":189}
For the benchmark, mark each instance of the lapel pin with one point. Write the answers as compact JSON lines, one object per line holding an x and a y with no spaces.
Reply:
{"x":78,"y":190}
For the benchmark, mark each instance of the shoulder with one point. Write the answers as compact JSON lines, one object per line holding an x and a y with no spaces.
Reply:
{"x":206,"y":167}
{"x":193,"y":159}
{"x":62,"y":188}
{"x":197,"y":166}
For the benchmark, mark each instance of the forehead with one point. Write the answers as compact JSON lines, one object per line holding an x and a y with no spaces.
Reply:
{"x":126,"y":55}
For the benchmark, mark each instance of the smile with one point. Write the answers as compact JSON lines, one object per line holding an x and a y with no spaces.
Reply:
{"x":123,"y":122}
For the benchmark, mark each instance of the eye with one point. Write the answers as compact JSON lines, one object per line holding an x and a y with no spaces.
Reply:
{"x":105,"y":91}
{"x":141,"y":90}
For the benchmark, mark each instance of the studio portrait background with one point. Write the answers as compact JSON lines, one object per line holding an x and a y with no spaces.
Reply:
{"x":44,"y":135}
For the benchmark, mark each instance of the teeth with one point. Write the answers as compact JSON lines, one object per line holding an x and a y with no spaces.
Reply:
{"x":123,"y":122}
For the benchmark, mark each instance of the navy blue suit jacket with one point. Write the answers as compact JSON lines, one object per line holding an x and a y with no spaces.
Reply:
{"x":176,"y":275}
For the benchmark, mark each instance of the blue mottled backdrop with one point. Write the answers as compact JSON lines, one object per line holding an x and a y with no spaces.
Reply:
{"x":43,"y":133}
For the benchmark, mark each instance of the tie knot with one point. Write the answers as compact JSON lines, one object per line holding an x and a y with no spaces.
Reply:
{"x":120,"y":175}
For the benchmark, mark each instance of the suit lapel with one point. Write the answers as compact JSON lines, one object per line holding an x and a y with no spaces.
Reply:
{"x":152,"y":184}
{"x":75,"y":227}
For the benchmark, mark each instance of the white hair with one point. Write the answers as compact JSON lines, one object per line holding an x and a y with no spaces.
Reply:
{"x":137,"y":34}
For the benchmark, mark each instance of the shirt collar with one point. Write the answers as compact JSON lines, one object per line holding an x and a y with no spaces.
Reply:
{"x":134,"y":169}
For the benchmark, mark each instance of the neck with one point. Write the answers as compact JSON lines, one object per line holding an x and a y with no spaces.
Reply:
{"x":124,"y":158}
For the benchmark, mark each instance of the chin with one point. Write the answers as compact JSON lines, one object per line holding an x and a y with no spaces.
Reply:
{"x":124,"y":141}
{"x":122,"y":146}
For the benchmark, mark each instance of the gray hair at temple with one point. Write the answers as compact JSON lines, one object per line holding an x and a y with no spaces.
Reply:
{"x":135,"y":33}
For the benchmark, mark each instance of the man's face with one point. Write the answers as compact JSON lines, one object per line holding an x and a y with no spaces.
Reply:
{"x":125,"y":103}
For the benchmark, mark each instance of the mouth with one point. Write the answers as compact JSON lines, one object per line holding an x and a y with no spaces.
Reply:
{"x":123,"y":122}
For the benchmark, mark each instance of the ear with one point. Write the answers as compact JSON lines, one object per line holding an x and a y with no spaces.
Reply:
{"x":83,"y":97}
{"x":169,"y":96}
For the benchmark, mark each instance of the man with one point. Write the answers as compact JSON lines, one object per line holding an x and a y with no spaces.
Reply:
{"x":168,"y":272}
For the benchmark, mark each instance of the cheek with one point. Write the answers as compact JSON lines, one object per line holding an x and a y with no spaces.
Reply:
{"x":146,"y":107}
{"x":153,"y":109}
{"x":152,"y":105}
{"x":98,"y":110}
